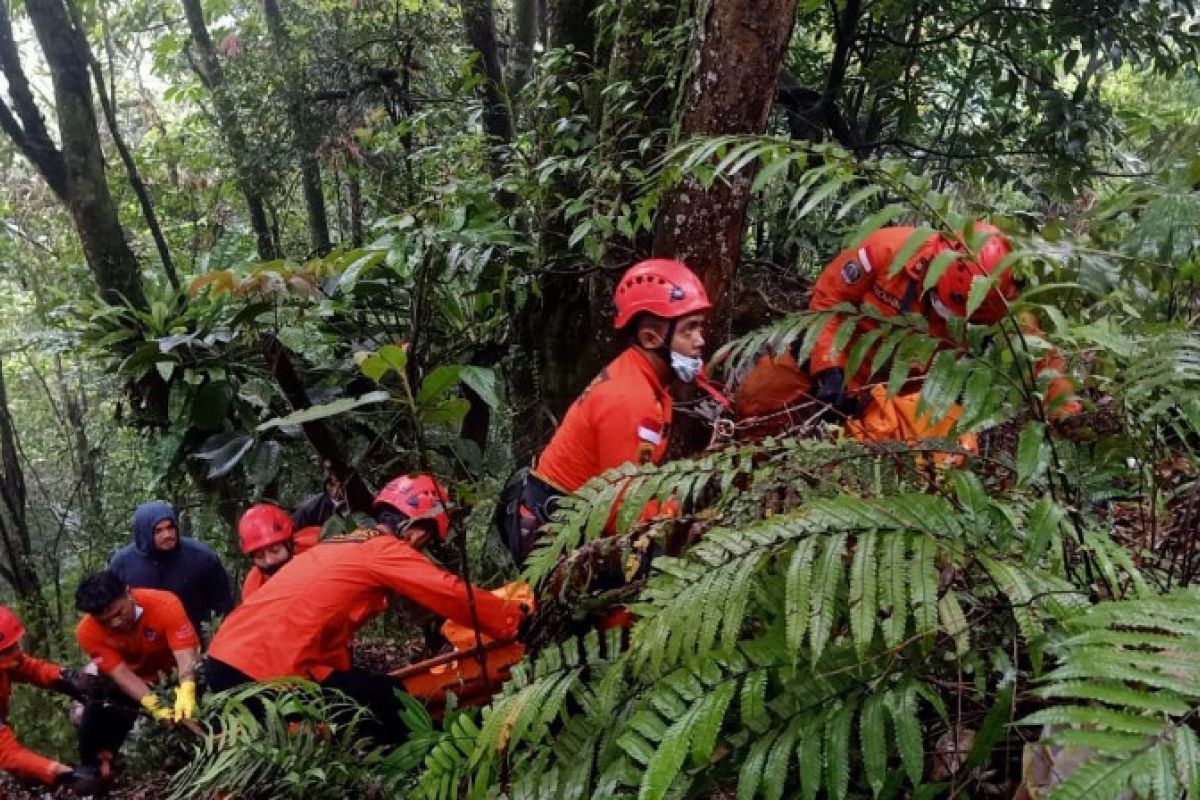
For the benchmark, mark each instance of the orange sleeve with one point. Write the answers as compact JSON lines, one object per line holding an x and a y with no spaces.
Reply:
{"x":23,"y":762}
{"x":253,"y":582}
{"x":169,"y":612}
{"x":409,"y":574}
{"x":1060,"y":393}
{"x":36,"y":672}
{"x":846,"y":279}
{"x":91,"y":641}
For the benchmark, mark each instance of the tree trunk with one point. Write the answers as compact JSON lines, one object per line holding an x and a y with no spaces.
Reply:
{"x":740,"y":46}
{"x":304,"y":130}
{"x":111,"y":260}
{"x":131,"y":170}
{"x":279,"y":364}
{"x":525,"y":35}
{"x":230,"y":128}
{"x":480,"y":22}
{"x":30,"y":134}
{"x":20,"y":572}
{"x":572,"y":23}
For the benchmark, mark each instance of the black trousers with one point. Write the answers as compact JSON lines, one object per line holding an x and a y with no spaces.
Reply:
{"x":107,"y":720}
{"x":377,"y":693}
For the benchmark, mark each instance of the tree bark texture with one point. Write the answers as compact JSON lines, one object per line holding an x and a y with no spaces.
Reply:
{"x":231,"y":129}
{"x":525,"y":35}
{"x":304,"y":130}
{"x":20,"y":571}
{"x":739,"y":49}
{"x":479,"y":20}
{"x":572,"y":23}
{"x":108,"y":254}
{"x":131,"y":170}
{"x":29,"y":134}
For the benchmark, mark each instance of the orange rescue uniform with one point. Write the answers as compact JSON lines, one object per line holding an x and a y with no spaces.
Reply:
{"x":302,"y":621}
{"x":623,"y":416}
{"x":162,"y":627}
{"x":861,"y":277}
{"x":302,"y":540}
{"x":14,"y":758}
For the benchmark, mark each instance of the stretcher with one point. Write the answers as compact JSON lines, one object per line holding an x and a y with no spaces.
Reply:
{"x":462,"y":672}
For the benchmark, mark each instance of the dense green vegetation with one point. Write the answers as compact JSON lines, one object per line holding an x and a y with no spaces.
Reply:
{"x":246,"y":245}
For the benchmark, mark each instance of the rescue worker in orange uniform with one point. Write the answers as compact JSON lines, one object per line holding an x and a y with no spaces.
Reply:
{"x":266,"y":534}
{"x":624,"y":416}
{"x":18,"y":667}
{"x":862,"y":277}
{"x":300,"y":624}
{"x":133,"y":636}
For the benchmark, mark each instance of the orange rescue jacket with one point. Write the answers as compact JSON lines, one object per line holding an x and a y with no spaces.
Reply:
{"x":302,"y":621}
{"x":146,"y":649}
{"x":623,"y":416}
{"x":14,"y":758}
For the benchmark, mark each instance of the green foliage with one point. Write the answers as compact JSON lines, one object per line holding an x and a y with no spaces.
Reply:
{"x":299,"y":744}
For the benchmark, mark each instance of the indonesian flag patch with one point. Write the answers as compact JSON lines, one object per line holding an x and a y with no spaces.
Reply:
{"x":650,"y":430}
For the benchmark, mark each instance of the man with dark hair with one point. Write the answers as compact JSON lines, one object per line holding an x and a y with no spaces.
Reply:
{"x":159,"y":558}
{"x":301,"y":622}
{"x":18,"y":667}
{"x":133,"y":636}
{"x":624,"y":416}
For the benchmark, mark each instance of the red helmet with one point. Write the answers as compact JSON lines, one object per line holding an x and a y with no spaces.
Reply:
{"x":11,"y":629}
{"x":262,"y":526}
{"x":662,"y":287}
{"x":418,"y":497}
{"x":954,"y":287}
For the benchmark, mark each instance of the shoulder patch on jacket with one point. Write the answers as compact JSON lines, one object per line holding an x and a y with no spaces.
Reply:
{"x":852,"y":272}
{"x":357,"y":536}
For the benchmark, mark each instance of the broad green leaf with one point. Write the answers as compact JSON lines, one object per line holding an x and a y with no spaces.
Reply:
{"x":1031,"y":459}
{"x":314,"y":413}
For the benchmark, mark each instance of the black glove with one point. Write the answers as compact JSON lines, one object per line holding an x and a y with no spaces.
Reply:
{"x":831,"y":390}
{"x":74,"y":684}
{"x":80,"y":780}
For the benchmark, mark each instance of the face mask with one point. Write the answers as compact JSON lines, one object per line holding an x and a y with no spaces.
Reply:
{"x":940,"y":307}
{"x":686,"y":369}
{"x":137,"y":613}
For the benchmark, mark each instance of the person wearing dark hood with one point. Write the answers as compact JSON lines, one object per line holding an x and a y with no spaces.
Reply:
{"x":159,"y":558}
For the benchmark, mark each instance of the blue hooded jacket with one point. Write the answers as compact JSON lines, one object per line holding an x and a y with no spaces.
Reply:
{"x":192,"y":570}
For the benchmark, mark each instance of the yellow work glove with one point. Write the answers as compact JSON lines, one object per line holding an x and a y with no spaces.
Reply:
{"x":150,"y":703}
{"x":185,"y":700}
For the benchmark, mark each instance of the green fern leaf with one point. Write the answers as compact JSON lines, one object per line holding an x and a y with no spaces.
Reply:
{"x":754,"y":700}
{"x":775,"y":772}
{"x":902,"y":706}
{"x":709,"y":719}
{"x":954,"y":623}
{"x":863,"y":608}
{"x":1099,"y":779}
{"x":672,"y":751}
{"x":893,"y":578}
{"x":1118,"y":694}
{"x":750,"y":775}
{"x":1187,"y":760}
{"x":811,"y":760}
{"x":1162,"y":778}
{"x":828,"y":579}
{"x":837,"y":751}
{"x":1104,"y":717}
{"x":1012,"y":582}
{"x":873,"y":734}
{"x":923,"y":583}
